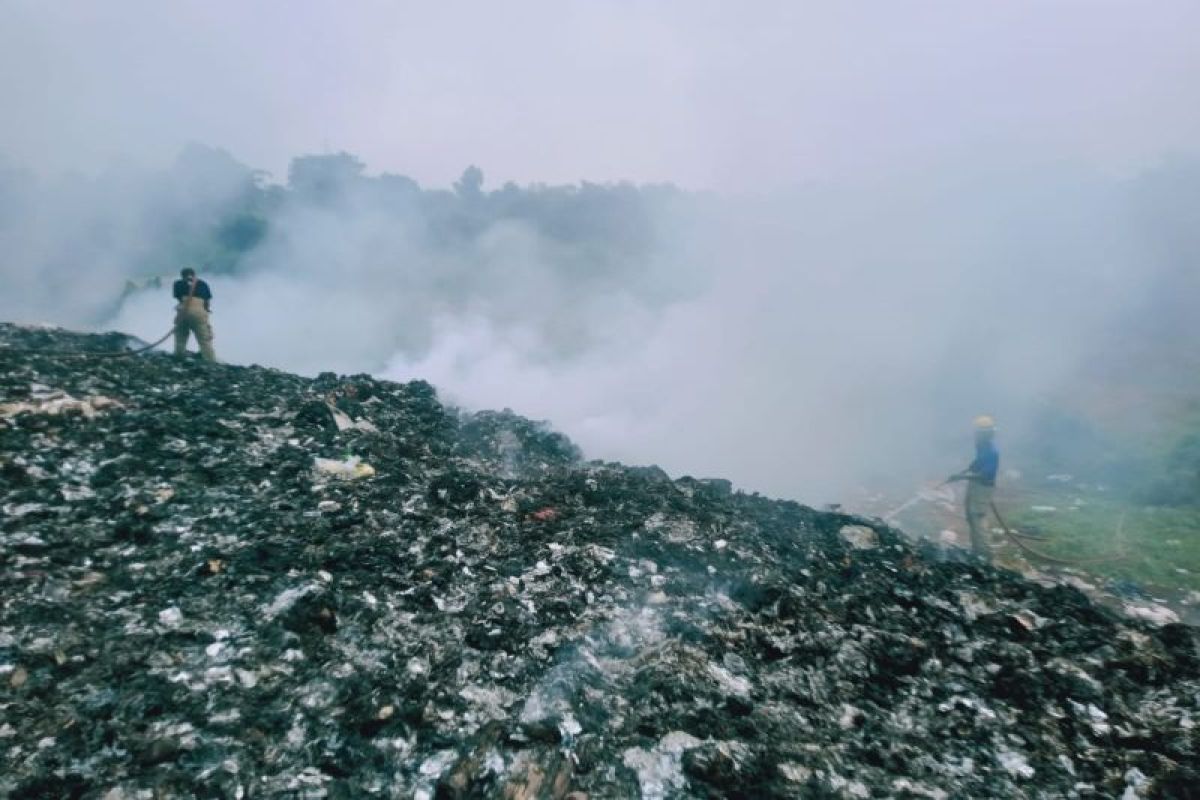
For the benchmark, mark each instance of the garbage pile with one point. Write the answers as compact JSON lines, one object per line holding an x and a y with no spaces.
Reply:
{"x":223,"y":581}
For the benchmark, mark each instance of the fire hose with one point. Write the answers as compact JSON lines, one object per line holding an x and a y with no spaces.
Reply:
{"x":1016,"y":539}
{"x":1021,"y":539}
{"x":921,"y":495}
{"x":88,"y":353}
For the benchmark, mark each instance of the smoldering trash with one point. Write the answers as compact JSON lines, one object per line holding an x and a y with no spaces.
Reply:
{"x":207,"y":593}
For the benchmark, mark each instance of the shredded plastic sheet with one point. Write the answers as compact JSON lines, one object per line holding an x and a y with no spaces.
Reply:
{"x":50,"y":402}
{"x":1159,"y":615}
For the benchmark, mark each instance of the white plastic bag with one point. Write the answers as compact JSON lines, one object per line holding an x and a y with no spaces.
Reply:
{"x":351,"y":469}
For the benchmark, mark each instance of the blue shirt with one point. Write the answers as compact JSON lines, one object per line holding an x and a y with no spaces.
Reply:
{"x":986,"y":463}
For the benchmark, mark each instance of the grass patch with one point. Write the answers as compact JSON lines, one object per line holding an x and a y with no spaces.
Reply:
{"x":1161,"y":545}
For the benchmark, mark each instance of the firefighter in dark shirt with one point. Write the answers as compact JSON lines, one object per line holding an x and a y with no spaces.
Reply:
{"x":191,"y":315}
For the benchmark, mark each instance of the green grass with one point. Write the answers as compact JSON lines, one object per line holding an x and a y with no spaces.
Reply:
{"x":1161,"y":545}
{"x":1156,"y":542}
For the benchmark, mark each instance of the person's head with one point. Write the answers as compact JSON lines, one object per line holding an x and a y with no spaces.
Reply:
{"x":187,"y":273}
{"x":985,"y":428}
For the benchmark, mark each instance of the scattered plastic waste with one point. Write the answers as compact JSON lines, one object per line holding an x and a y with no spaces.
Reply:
{"x":207,"y":611}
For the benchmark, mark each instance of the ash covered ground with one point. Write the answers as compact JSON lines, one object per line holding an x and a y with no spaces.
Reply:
{"x":190,"y":607}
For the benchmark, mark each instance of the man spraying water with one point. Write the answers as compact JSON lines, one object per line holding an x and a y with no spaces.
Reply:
{"x":981,"y":483}
{"x":191,"y":315}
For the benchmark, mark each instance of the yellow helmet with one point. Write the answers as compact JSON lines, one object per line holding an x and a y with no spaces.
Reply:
{"x":985,"y":423}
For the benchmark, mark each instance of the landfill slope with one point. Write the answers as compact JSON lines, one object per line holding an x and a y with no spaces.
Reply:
{"x":189,"y":606}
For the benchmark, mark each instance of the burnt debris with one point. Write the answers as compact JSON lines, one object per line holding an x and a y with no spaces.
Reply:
{"x":452,"y":605}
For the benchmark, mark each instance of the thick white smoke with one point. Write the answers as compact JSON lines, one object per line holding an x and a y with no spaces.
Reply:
{"x":802,"y":343}
{"x":842,"y":338}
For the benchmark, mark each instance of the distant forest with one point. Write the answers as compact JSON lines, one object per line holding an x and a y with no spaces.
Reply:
{"x":210,"y":211}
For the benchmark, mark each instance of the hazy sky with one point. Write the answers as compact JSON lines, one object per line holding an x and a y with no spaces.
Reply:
{"x":706,"y":94}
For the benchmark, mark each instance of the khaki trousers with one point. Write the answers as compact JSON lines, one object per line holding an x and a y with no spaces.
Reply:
{"x":978,"y":503}
{"x":190,"y":317}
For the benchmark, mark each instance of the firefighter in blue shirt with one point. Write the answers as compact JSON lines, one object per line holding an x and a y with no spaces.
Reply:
{"x":981,"y":483}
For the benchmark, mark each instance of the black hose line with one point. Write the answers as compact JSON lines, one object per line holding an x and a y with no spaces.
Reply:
{"x":86,"y":353}
{"x":1016,"y":539}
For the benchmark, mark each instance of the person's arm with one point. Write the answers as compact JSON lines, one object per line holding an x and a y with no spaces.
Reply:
{"x":971,"y":473}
